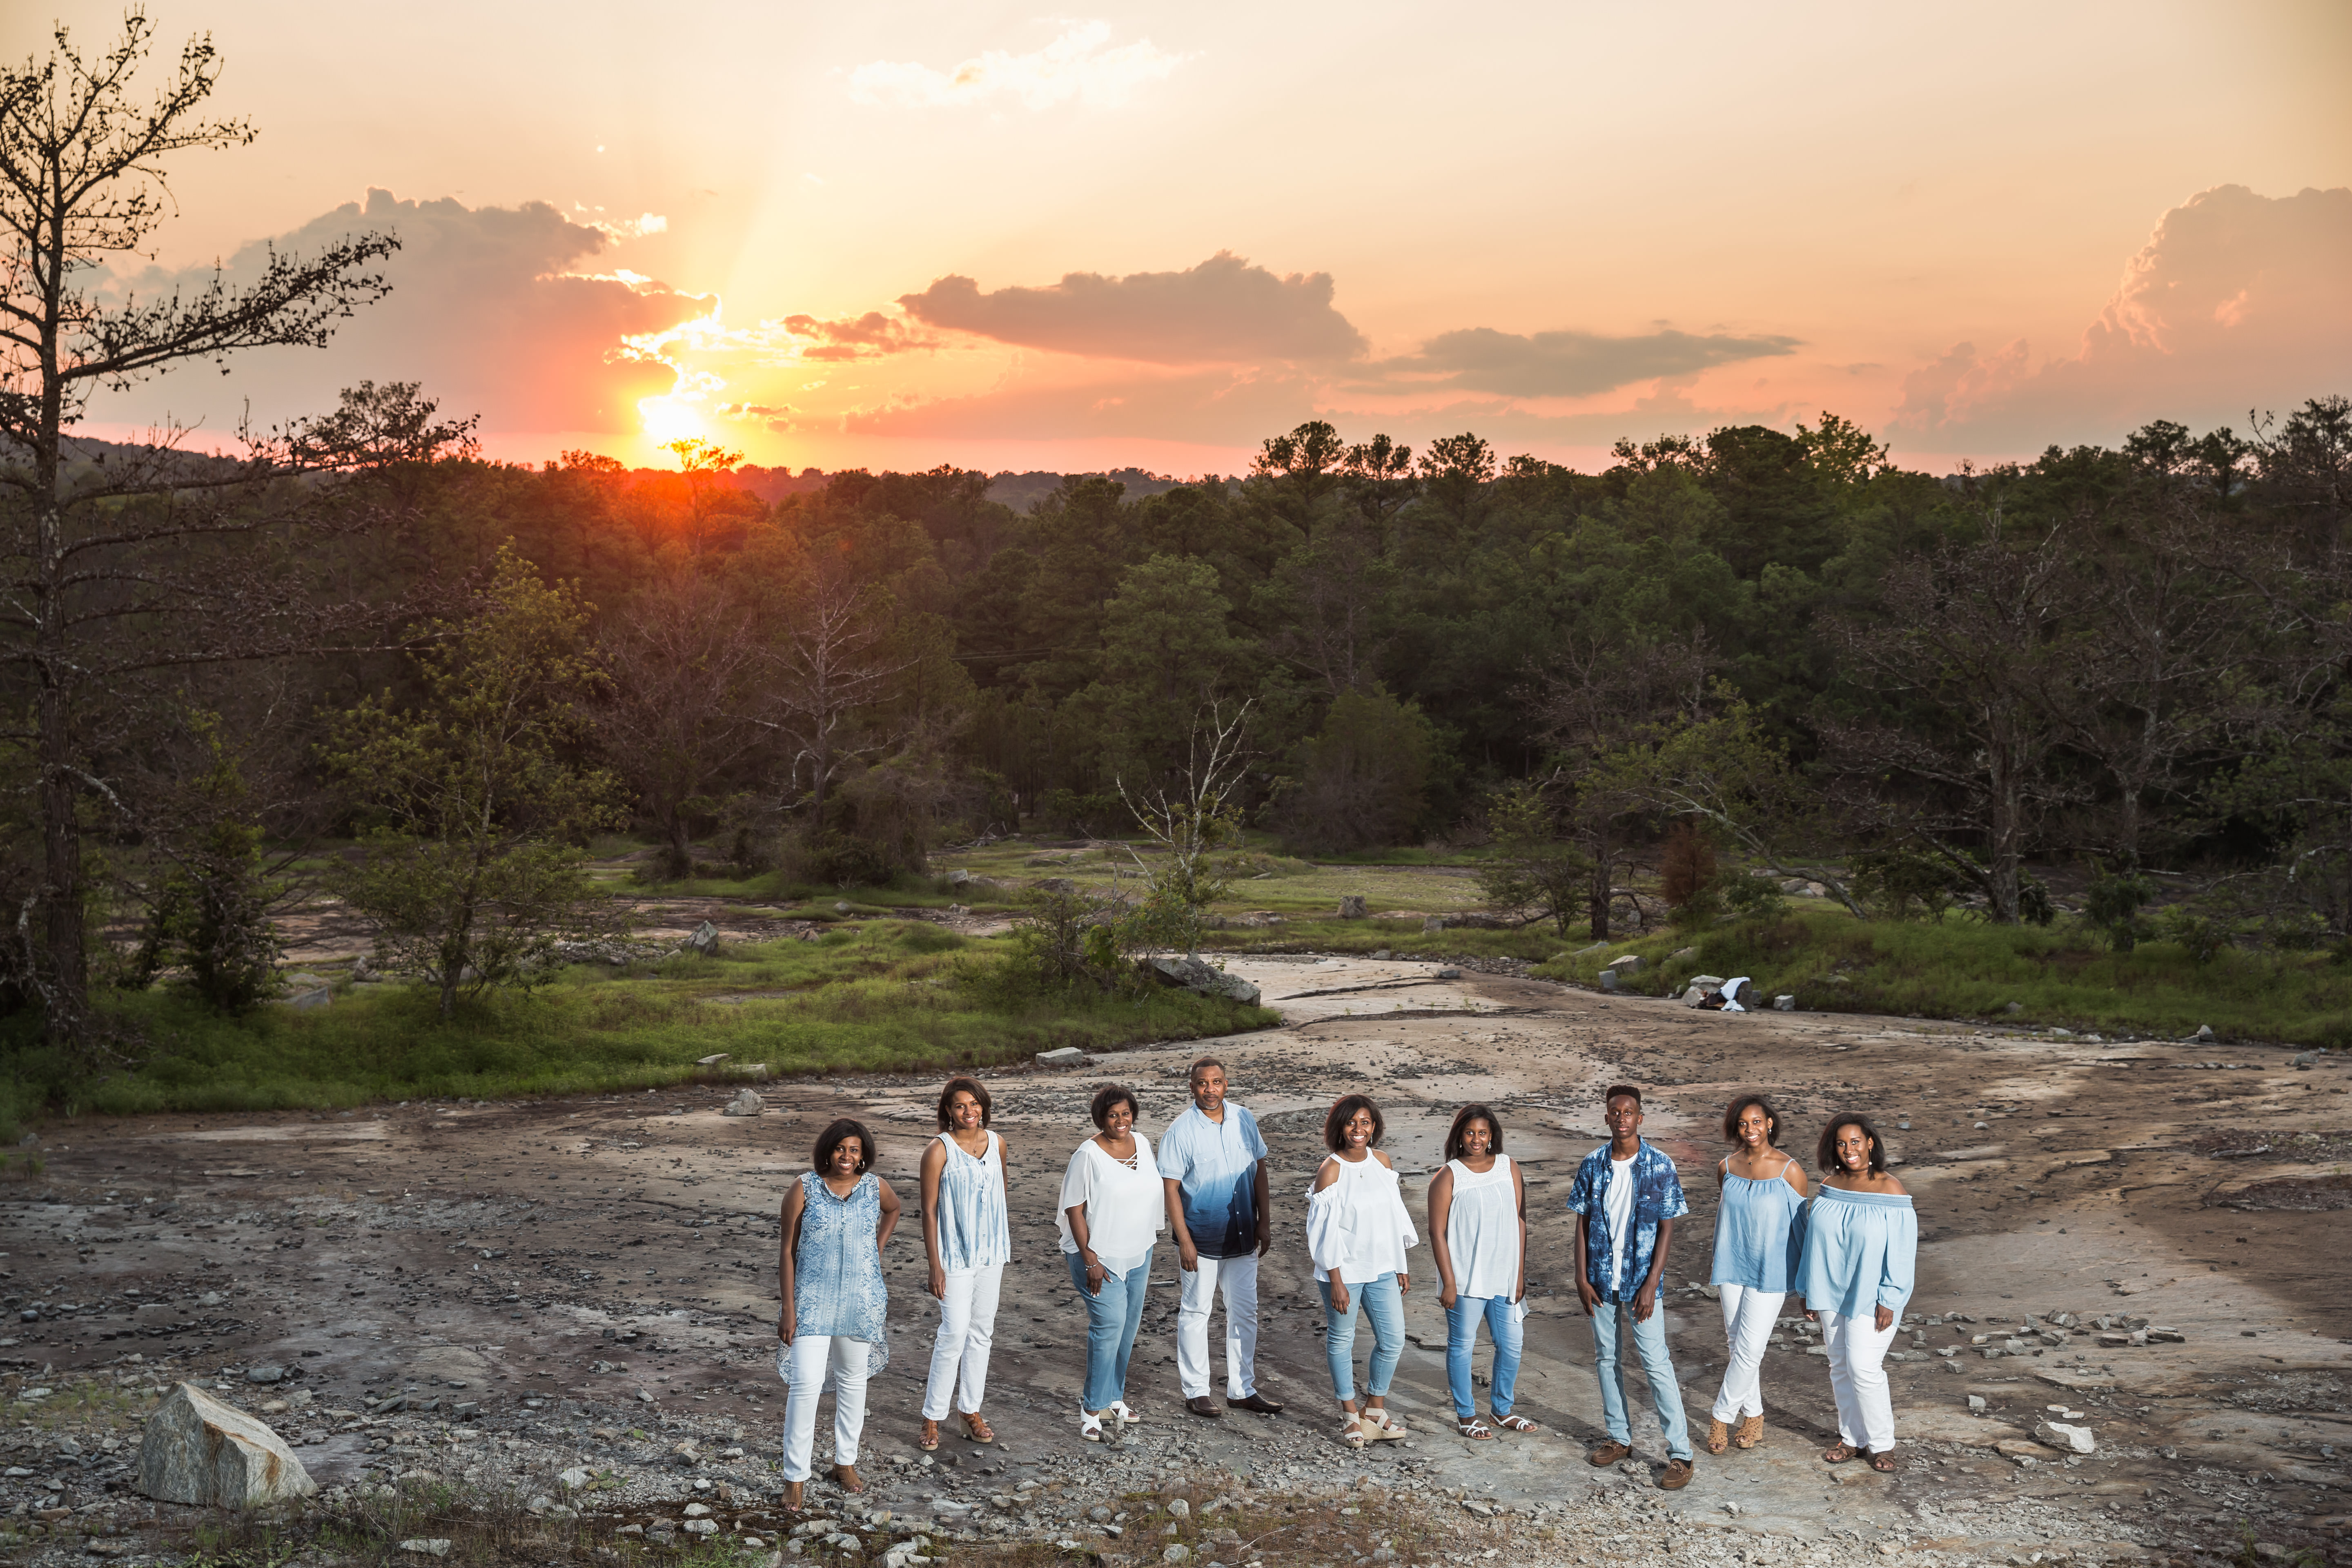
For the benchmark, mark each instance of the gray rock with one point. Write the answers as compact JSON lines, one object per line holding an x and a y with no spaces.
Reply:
{"x":2304,"y":1061}
{"x":1976,"y":1405}
{"x":155,"y":1315}
{"x":1448,"y":972}
{"x":1061,"y":1056}
{"x":1430,"y":923}
{"x":311,"y":1000}
{"x":1178,"y":1553}
{"x":747,"y":1103}
{"x":422,"y":1547}
{"x":1050,"y":885}
{"x":574,"y":1479}
{"x":1383,"y":952}
{"x":1631,"y":963}
{"x":2204,"y":1033}
{"x":1194,"y":974}
{"x":2012,"y":1007}
{"x":265,"y":1374}
{"x":2060,"y":1435}
{"x":1784,"y":1004}
{"x":704,"y":939}
{"x":199,"y":1450}
{"x":702,"y":1527}
{"x":1351,"y":906}
{"x":959,"y":877}
{"x":1609,"y":980}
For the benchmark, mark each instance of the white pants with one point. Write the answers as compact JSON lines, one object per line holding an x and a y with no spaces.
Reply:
{"x":1858,"y":1378}
{"x":815,"y":1355}
{"x":1237,"y":1276}
{"x":960,"y":1354}
{"x":1748,"y":1317}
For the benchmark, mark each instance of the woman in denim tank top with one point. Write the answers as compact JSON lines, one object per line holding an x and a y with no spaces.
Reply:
{"x":968,"y":1242}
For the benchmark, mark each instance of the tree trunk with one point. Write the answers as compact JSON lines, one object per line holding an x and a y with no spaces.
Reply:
{"x":682,"y":847}
{"x":1602,"y":892}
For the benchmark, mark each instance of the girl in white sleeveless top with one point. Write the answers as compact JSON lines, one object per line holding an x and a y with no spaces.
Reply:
{"x":968,"y":1242}
{"x":1478,"y":1231}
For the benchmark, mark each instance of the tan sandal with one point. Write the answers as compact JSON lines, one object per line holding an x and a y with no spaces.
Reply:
{"x":1718,"y":1436}
{"x":1750,"y":1433}
{"x":975,"y":1428}
{"x":1351,"y":1432}
{"x":930,"y":1435}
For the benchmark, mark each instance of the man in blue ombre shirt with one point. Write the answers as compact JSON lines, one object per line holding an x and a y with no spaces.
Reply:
{"x":1214,"y":1162}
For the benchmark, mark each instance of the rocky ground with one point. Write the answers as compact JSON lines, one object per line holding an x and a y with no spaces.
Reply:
{"x":569,"y":1303}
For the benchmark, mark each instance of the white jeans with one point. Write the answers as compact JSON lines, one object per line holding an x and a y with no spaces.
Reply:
{"x":960,"y":1354}
{"x":1858,"y":1378}
{"x":815,"y":1355}
{"x":1748,"y":1317}
{"x":1237,"y":1276}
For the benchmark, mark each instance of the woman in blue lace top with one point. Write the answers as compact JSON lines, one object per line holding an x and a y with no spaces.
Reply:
{"x":837,"y":1218}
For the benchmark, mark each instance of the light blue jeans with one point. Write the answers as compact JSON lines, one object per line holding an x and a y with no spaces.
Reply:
{"x":1503,"y":1327}
{"x":1384,"y":1303}
{"x":1657,"y":1366}
{"x":1112,"y":1317}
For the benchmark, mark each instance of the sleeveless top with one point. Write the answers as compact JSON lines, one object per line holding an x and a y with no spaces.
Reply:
{"x":1482,"y":1230}
{"x":838,"y":1285}
{"x":973,"y":1232}
{"x":1760,"y":1231}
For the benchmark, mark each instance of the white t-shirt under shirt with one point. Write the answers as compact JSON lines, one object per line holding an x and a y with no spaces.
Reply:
{"x":1619,"y":1210}
{"x":1126,"y":1207}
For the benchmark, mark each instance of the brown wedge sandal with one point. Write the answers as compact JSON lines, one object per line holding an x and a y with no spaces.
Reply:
{"x":1750,"y":1433}
{"x":1718,"y":1436}
{"x":976,"y":1428}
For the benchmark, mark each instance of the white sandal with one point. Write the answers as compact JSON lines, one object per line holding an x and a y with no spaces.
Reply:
{"x":1516,"y":1424}
{"x":1351,"y":1432}
{"x":1477,"y":1431}
{"x":1379,"y":1424}
{"x":1126,"y":1417}
{"x":1089,"y":1425}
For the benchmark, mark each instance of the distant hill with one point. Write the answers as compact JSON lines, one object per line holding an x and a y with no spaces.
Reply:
{"x":1021,"y":491}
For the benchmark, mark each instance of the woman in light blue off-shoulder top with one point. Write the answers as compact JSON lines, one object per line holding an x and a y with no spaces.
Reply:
{"x":1861,"y":1245}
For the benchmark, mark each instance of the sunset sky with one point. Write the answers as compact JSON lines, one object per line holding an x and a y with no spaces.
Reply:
{"x":895,"y":236}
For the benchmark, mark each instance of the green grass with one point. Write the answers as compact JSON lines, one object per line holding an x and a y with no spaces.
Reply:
{"x":1405,"y":938}
{"x":1962,"y":968}
{"x":888,"y":995}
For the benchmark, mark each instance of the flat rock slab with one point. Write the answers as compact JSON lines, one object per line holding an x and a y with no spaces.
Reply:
{"x":200,"y":1450}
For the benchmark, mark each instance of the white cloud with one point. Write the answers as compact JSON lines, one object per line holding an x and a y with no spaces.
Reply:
{"x":1073,"y":65}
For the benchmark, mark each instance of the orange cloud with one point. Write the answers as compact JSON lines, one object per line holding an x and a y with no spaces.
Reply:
{"x":2237,"y":302}
{"x":870,"y":336}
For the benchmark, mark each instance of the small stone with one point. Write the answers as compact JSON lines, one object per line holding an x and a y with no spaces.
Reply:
{"x":702,"y":1527}
{"x":1351,"y":906}
{"x":704,"y":939}
{"x":1429,"y":925}
{"x":1176,"y":1554}
{"x":2060,"y":1435}
{"x":2204,"y":1033}
{"x":1732,"y":1508}
{"x":574,"y":1479}
{"x":422,"y":1547}
{"x":1179,"y":1508}
{"x":1976,"y":1405}
{"x":718,"y":1059}
{"x":747,"y":1103}
{"x":1631,"y":963}
{"x":1061,"y":1056}
{"x":265,"y":1374}
{"x":1784,"y":1004}
{"x":697,"y":1510}
{"x":1448,"y":972}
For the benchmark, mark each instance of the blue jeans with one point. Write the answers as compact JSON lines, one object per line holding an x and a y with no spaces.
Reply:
{"x":1503,"y":1327}
{"x":1112,"y":1317}
{"x":1384,"y":1303}
{"x":1650,"y":1344}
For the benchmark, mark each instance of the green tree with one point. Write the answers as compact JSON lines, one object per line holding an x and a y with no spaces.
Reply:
{"x":1534,"y":871}
{"x":471,"y":876}
{"x":1362,"y":779}
{"x":1168,"y":651}
{"x":1188,"y":821}
{"x":212,"y":890}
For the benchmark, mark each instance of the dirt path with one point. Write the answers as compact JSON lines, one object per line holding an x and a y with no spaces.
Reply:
{"x":508,"y":1248}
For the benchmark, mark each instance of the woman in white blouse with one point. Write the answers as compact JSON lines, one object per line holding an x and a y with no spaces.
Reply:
{"x":1357,"y":1233}
{"x":1112,"y":1205}
{"x":1478,"y":1239}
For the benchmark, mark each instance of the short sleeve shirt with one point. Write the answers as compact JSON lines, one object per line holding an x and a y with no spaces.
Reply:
{"x":1214,"y":1165}
{"x":1657,"y":1198}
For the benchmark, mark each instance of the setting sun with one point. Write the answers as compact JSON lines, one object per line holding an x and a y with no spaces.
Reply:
{"x":670,"y":418}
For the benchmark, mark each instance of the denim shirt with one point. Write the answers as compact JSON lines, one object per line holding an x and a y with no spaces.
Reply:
{"x":1657,"y":1197}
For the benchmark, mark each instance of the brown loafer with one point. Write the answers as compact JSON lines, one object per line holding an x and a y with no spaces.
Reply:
{"x":1678,"y":1476}
{"x":1201,"y":1404}
{"x":1608,"y":1454}
{"x":1257,"y":1402}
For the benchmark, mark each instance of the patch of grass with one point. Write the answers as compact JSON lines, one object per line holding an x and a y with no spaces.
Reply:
{"x":1403,"y":939}
{"x":1963,"y":968}
{"x":891,"y":996}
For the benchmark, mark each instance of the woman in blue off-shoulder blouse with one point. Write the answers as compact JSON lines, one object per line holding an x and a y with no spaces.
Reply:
{"x":1861,"y":1245}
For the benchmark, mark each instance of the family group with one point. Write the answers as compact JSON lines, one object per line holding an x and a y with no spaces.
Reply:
{"x":1845,"y":1247}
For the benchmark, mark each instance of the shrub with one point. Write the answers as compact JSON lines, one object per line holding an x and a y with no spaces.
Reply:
{"x":2112,"y":904}
{"x":1901,"y":884}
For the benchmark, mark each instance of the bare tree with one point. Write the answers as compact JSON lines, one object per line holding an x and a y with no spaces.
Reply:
{"x":1191,"y":824}
{"x":833,"y":660}
{"x":1988,"y":644}
{"x":684,"y":663}
{"x":112,"y":570}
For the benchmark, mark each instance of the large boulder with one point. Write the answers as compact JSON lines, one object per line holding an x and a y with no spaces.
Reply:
{"x":1351,"y":906}
{"x":1192,"y":975}
{"x":199,"y":1450}
{"x":705,"y":941}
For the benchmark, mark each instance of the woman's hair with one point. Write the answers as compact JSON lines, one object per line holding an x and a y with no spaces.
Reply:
{"x":1827,"y":1153}
{"x":1343,"y":1111}
{"x":833,"y":1138}
{"x":1461,"y":1120}
{"x":1109,"y":1094}
{"x":1731,"y":1119}
{"x":969,"y":1086}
